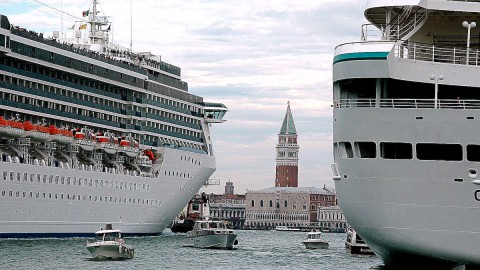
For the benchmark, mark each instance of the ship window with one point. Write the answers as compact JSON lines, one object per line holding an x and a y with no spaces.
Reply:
{"x":434,"y":151}
{"x":391,"y":150}
{"x":345,"y":150}
{"x":365,"y":149}
{"x":473,"y":152}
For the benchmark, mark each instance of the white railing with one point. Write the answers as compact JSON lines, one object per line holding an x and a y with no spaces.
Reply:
{"x":407,"y":103}
{"x":432,"y":53}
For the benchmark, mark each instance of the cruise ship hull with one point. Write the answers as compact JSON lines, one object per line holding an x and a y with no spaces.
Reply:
{"x":79,"y":202}
{"x":409,"y":211}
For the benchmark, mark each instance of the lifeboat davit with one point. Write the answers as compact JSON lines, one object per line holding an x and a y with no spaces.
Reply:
{"x":107,"y":142}
{"x":12,"y":129}
{"x":85,"y":139}
{"x":128,"y":146}
{"x":60,"y":136}
{"x":35,"y":132}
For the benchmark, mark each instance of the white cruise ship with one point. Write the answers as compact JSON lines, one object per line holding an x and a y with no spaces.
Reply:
{"x":92,"y":133}
{"x":406,"y":125}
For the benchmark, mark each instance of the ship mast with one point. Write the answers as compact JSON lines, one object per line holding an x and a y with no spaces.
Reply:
{"x":98,"y":35}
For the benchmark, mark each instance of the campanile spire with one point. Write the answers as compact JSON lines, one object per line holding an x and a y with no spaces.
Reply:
{"x":287,"y":153}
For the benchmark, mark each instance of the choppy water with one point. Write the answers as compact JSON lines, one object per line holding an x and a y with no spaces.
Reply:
{"x":257,"y":250}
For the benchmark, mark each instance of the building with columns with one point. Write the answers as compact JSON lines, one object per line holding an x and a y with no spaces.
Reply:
{"x":228,"y":206}
{"x":286,"y":206}
{"x":331,"y":217}
{"x":287,"y":153}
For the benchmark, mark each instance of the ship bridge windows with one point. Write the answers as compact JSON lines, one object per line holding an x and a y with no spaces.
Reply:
{"x":358,"y":89}
{"x":345,"y":150}
{"x":473,"y":152}
{"x":395,"y":150}
{"x":365,"y":149}
{"x":436,"y":151}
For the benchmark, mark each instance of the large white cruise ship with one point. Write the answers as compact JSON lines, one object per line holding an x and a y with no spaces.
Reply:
{"x":406,"y":132}
{"x":92,"y":133}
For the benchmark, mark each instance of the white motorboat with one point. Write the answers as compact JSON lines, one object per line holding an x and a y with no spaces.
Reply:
{"x":211,"y":234}
{"x":109,"y":244}
{"x":355,"y":243}
{"x":285,"y":228}
{"x":314,"y":241}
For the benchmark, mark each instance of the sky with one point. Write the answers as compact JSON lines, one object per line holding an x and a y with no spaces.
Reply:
{"x":253,"y":56}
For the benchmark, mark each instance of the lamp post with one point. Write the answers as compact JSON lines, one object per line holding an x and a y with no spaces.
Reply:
{"x":468,"y":26}
{"x":436,"y":79}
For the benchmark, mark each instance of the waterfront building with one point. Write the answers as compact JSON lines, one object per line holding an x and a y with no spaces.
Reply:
{"x":331,"y":217}
{"x":286,"y":206}
{"x":228,"y":206}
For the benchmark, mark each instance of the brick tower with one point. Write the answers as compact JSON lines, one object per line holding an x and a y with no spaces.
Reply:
{"x":287,"y":153}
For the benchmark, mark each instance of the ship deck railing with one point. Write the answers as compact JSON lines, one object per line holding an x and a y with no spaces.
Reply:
{"x":441,"y":54}
{"x":407,"y":103}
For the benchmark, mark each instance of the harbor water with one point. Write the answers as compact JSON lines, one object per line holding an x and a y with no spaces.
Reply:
{"x":257,"y":250}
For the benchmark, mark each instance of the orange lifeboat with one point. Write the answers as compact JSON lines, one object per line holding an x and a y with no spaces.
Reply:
{"x":10,"y":128}
{"x":107,"y":142}
{"x":61,"y":136}
{"x":84,"y":138}
{"x":128,"y":146}
{"x":35,"y":132}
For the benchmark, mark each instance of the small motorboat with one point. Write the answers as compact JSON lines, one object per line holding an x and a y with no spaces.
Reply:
{"x":315,"y":241}
{"x":109,"y":245}
{"x":211,"y":234}
{"x":286,"y":229}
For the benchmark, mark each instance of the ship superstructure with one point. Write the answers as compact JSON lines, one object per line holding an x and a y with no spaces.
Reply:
{"x":406,"y":106}
{"x":93,"y":133}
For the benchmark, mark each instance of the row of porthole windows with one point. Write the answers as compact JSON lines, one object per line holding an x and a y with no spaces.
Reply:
{"x":181,"y":175}
{"x":73,"y":181}
{"x":402,"y":150}
{"x":74,"y":197}
{"x":190,"y":159}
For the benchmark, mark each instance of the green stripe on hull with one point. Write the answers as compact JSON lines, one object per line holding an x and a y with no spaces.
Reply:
{"x":360,"y":56}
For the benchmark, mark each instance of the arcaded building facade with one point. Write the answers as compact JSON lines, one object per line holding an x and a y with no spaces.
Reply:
{"x":285,"y":206}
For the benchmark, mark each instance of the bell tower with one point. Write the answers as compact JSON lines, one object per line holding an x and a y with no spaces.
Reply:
{"x":287,"y":153}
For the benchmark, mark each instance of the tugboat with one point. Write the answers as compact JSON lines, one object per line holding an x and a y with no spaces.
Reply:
{"x":198,"y":208}
{"x":109,"y":245}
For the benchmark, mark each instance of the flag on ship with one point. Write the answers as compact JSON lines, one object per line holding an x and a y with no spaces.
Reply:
{"x":82,"y":27}
{"x":85,"y":13}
